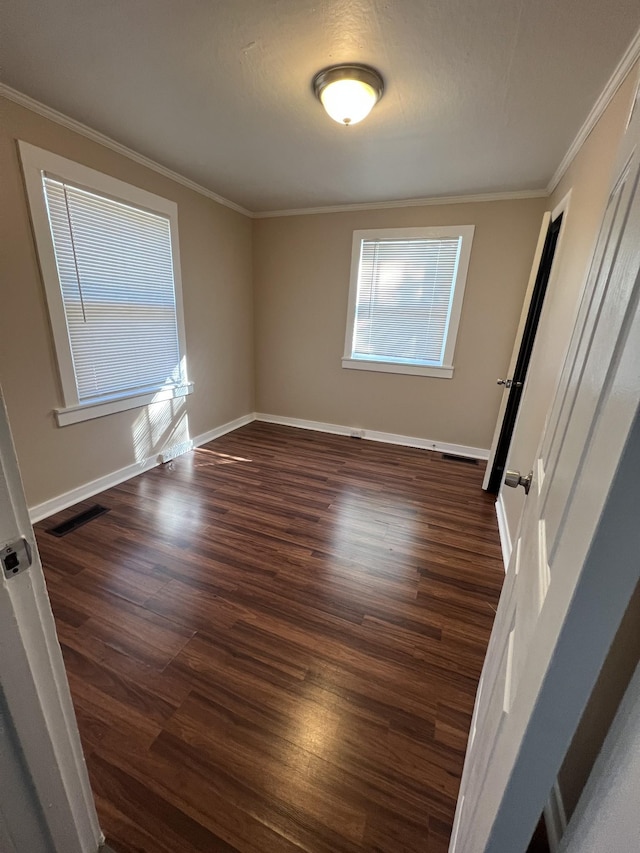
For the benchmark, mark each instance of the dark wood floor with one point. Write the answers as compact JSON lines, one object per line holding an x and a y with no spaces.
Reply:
{"x":274,"y":642}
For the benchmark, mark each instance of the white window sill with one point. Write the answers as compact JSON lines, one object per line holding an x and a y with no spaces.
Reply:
{"x":88,"y":411}
{"x":392,"y":367}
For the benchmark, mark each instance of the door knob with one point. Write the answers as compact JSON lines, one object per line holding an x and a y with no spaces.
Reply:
{"x":514,"y":479}
{"x":509,"y":382}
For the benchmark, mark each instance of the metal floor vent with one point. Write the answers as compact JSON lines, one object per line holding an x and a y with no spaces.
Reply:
{"x":452,"y":457}
{"x":78,"y":520}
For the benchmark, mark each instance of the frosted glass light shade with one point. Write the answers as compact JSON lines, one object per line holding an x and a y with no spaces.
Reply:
{"x":348,"y":101}
{"x":348,"y":92}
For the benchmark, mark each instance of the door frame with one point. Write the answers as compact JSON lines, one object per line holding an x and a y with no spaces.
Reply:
{"x":35,"y":687}
{"x":577,"y":624}
{"x":512,"y":396}
{"x":607,"y":816}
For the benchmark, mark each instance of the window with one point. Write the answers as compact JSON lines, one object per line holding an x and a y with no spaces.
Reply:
{"x":405,"y":299}
{"x":110,"y":264}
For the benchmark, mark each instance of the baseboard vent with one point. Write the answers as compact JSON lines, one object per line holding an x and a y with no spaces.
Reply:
{"x":78,"y":520}
{"x":453,"y":457}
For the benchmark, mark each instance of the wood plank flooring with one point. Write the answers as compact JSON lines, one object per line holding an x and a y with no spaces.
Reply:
{"x":273,"y":644}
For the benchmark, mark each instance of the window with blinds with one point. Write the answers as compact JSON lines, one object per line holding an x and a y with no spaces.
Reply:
{"x":116,"y":276}
{"x":405,"y":299}
{"x":110,"y":262}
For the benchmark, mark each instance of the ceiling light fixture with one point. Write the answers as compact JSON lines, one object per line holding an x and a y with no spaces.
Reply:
{"x":348,"y":92}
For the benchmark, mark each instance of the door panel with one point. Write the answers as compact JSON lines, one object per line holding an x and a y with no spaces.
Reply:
{"x":592,"y":372}
{"x":559,"y":417}
{"x":561,"y":604}
{"x":537,"y":257}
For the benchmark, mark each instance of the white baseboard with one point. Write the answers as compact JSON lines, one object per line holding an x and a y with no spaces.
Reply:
{"x":176,"y":450}
{"x":372,"y":435}
{"x":88,"y":490}
{"x":503,"y":529}
{"x":216,"y":432}
{"x":555,"y":818}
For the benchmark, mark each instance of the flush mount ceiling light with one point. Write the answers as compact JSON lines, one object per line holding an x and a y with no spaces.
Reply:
{"x":348,"y":92}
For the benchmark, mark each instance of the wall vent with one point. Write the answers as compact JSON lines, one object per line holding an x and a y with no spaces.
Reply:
{"x":453,"y":457}
{"x":78,"y":520}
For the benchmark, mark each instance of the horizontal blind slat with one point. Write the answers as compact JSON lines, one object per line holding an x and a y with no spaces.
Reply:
{"x":115,"y":266}
{"x":403,"y":304}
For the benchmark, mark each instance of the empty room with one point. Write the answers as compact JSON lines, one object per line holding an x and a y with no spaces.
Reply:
{"x":320,"y":426}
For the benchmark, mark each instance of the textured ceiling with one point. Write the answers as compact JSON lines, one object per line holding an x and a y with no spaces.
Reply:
{"x":482,"y":95}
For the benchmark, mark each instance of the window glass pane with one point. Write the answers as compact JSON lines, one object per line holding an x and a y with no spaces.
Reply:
{"x":405,"y":293}
{"x":116,"y":274}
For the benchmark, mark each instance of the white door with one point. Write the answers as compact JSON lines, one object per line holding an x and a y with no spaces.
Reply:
{"x":537,"y":257}
{"x":575,"y":561}
{"x":46,"y":803}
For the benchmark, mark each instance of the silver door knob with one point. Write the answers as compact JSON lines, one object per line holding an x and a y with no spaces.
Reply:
{"x":515,"y":479}
{"x":509,"y":382}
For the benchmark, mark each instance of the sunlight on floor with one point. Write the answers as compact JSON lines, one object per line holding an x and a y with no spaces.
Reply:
{"x":213,"y":457}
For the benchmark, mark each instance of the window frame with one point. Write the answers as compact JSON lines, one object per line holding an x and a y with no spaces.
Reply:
{"x":444,"y":371}
{"x":35,"y":162}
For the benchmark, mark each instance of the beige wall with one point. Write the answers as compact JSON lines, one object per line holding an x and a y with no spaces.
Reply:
{"x":301,"y":282}
{"x":215,"y":247}
{"x":588,"y":179}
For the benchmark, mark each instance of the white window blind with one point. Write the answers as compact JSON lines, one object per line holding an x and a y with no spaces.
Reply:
{"x":404,"y":299}
{"x":115,"y":269}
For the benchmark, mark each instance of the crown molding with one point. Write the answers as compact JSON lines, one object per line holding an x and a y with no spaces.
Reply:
{"x":629,"y":58}
{"x":88,"y":132}
{"x":70,"y":123}
{"x":408,"y":202}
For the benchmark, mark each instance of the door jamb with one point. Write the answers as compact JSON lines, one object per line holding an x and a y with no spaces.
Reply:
{"x":561,"y":209}
{"x":34,"y":680}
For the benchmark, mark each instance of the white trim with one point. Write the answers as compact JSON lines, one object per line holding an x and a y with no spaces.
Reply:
{"x":465,"y":234}
{"x":373,"y":435}
{"x":176,"y":450}
{"x":84,"y":130}
{"x":88,"y":490}
{"x":628,"y":60}
{"x":562,"y":207}
{"x":223,"y":429}
{"x":517,"y":343}
{"x":555,"y":818}
{"x":506,"y":544}
{"x":43,"y":510}
{"x":428,"y":201}
{"x":548,"y":218}
{"x":88,"y":411}
{"x":36,"y":162}
{"x":444,"y":372}
{"x":76,"y":126}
